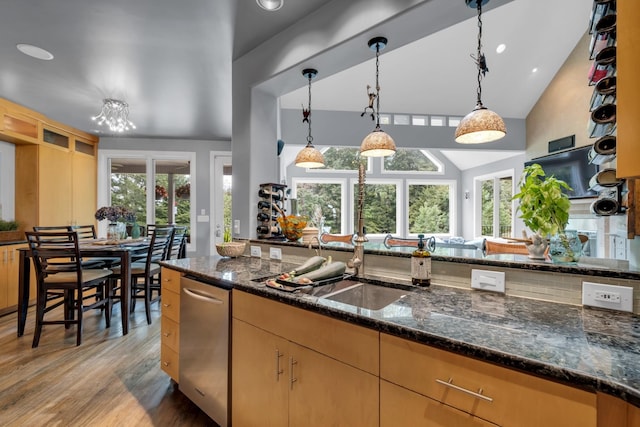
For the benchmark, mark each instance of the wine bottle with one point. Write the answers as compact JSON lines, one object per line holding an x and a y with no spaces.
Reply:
{"x":265,"y":194}
{"x":266,"y":217}
{"x":265,"y":229}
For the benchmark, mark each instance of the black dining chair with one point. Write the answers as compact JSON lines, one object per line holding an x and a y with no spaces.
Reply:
{"x":178,"y":246}
{"x":63,"y":281}
{"x":145,"y":273}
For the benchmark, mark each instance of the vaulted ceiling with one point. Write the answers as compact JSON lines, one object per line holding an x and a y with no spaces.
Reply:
{"x":171,"y":60}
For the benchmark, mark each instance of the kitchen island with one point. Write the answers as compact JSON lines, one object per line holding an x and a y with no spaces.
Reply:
{"x":589,"y":350}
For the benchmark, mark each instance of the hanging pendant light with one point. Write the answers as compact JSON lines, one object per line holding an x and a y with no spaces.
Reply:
{"x":378,"y":143}
{"x":309,"y":156}
{"x":481,"y":125}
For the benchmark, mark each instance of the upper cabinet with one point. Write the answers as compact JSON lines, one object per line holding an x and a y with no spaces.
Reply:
{"x":56,"y":168}
{"x":628,"y":66}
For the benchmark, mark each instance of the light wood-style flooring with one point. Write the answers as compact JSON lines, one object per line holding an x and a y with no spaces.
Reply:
{"x":109,"y":380}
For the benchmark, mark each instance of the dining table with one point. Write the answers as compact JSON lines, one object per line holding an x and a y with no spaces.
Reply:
{"x":126,"y":250}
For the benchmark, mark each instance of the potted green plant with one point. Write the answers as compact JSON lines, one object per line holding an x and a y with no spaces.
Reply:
{"x":9,"y":231}
{"x":544,"y":209}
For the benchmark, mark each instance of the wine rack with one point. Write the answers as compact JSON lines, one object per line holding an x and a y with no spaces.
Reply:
{"x":602,"y":124}
{"x":270,"y":207}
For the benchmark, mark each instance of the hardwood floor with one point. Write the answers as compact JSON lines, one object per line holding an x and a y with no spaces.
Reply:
{"x":109,"y":380}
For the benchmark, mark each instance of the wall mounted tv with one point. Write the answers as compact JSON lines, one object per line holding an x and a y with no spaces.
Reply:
{"x":571,"y":166}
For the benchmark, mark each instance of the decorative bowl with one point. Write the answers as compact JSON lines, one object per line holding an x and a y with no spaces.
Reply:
{"x":231,"y":249}
{"x":292,"y":226}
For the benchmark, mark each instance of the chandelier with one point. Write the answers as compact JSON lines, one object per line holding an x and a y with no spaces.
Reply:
{"x":115,"y":115}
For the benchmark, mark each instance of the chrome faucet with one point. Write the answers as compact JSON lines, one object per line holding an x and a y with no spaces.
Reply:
{"x":319,"y":250}
{"x":357,"y":262}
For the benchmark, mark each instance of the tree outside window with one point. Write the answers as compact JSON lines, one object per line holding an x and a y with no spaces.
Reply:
{"x":327,"y":196}
{"x":380,"y":208}
{"x":429,"y":209}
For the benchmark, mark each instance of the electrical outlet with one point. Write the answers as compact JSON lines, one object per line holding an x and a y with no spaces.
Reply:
{"x":487,"y":280}
{"x":256,"y":251}
{"x":607,"y":296}
{"x":275,"y":253}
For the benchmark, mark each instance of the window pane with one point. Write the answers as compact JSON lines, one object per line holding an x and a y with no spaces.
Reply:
{"x":428,"y":208}
{"x":410,"y":160}
{"x":487,"y":207}
{"x":379,"y":211}
{"x":173,"y":193}
{"x":341,"y":158}
{"x":322,"y":203}
{"x":128,"y":183}
{"x":506,"y":190}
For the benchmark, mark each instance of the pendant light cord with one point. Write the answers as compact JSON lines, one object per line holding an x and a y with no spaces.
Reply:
{"x":309,"y":137}
{"x":377,"y":86}
{"x":480,"y":58}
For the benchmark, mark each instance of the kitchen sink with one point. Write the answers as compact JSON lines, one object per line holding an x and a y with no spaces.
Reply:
{"x":365,"y":295}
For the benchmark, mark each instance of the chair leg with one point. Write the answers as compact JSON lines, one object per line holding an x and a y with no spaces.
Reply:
{"x":79,"y":310}
{"x":147,"y":299}
{"x":40,"y":305}
{"x":134,"y":283}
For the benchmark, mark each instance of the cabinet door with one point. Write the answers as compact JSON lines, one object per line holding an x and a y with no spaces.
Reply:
{"x":402,"y":407}
{"x":12,"y":276}
{"x":326,"y":392}
{"x":4,"y":274}
{"x":54,"y":186}
{"x":259,"y":377}
{"x":84,"y":187}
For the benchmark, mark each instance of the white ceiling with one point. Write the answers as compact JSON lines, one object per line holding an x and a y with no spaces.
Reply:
{"x":171,"y":60}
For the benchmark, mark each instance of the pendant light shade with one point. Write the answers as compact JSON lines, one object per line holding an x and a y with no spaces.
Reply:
{"x":378,"y":143}
{"x":309,"y":156}
{"x":481,"y":125}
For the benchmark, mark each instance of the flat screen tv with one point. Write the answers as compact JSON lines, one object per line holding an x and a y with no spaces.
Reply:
{"x":571,"y":166}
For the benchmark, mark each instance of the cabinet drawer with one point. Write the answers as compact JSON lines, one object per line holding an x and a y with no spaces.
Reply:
{"x":351,"y":344}
{"x":169,"y":362}
{"x":170,"y":333}
{"x":171,"y":280}
{"x":516,"y":398}
{"x":170,"y":304}
{"x":402,"y":407}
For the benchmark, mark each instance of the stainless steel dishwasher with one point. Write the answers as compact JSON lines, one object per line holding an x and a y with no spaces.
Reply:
{"x":205,"y":314}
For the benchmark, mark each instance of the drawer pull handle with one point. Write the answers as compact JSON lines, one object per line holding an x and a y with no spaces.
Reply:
{"x":166,"y":334}
{"x":450,"y":384}
{"x":165,"y":364}
{"x":166,"y":305}
{"x":278,"y":370}
{"x":292,"y":379}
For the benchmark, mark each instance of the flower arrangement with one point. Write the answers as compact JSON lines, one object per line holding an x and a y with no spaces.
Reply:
{"x":184,"y":191}
{"x":115,"y":214}
{"x":161,"y":192}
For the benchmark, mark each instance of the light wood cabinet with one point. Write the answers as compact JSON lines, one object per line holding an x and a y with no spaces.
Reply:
{"x":495,"y":394}
{"x":170,"y":323}
{"x":402,"y":407}
{"x":628,"y":84}
{"x":614,"y":412}
{"x":280,"y":379}
{"x":9,"y":261}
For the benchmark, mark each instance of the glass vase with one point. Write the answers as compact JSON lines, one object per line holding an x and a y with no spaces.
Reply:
{"x":135,"y":231}
{"x":112,"y":231}
{"x":565,"y":247}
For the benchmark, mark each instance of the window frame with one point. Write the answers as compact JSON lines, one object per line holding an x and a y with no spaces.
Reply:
{"x":453,"y":204}
{"x":400,"y":223}
{"x":426,"y":153}
{"x":343,"y":194}
{"x":477,"y":198}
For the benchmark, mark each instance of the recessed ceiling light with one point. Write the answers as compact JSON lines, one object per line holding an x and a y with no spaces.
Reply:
{"x":535,"y":70}
{"x":501,"y":47}
{"x":270,"y":5}
{"x":34,"y":51}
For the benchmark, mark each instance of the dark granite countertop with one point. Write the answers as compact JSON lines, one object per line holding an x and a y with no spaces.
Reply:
{"x":597,"y":350}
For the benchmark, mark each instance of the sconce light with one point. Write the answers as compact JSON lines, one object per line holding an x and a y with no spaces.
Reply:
{"x":309,"y":156}
{"x":481,"y":125}
{"x":378,"y":143}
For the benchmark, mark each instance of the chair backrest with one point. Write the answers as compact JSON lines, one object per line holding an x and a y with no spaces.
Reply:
{"x":177,"y":247}
{"x":158,"y":247}
{"x":54,"y":252}
{"x":152,"y":227}
{"x":84,"y":231}
{"x":52,"y":228}
{"x":490,"y":247}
